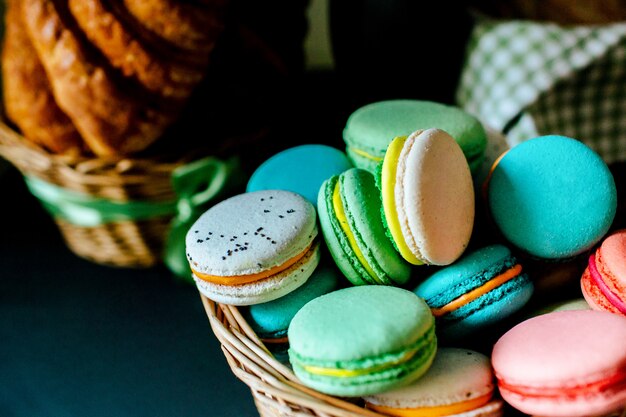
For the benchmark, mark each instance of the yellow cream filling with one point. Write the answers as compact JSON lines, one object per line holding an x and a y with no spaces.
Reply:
{"x":346,"y":373}
{"x":467,"y":298}
{"x":438,"y":411}
{"x":388,"y":185}
{"x":366,"y":155}
{"x":343,"y":222}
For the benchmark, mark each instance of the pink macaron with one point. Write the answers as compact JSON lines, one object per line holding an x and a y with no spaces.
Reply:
{"x":604,"y":281}
{"x":564,"y":364}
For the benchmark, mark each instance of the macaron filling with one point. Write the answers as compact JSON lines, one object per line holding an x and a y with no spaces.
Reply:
{"x":596,"y":277}
{"x":246,"y":279}
{"x":365,"y":154}
{"x":340,"y":213}
{"x":390,"y":205}
{"x":478,"y":292}
{"x":276,"y":340}
{"x":614,"y":383}
{"x":386,"y":366}
{"x":434,"y":411}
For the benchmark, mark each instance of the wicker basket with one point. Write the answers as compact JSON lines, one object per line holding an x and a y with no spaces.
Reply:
{"x":275,"y":388}
{"x":126,"y":243}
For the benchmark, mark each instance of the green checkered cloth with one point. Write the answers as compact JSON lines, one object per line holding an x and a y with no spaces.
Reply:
{"x":528,"y":79}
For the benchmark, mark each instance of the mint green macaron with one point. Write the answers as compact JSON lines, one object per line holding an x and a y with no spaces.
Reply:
{"x":349,"y":208}
{"x":371,"y":128}
{"x":362,"y":340}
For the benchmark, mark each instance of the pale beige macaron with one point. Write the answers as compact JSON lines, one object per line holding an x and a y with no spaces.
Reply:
{"x":459,"y":383}
{"x":428,"y":197}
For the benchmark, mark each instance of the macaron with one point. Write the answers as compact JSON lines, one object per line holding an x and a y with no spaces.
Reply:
{"x":370,"y":129}
{"x":271,"y":320}
{"x":362,"y":340}
{"x":564,"y":364}
{"x":254,"y":247}
{"x":349,"y":208}
{"x":479,"y":289}
{"x":567,"y":305}
{"x":604,"y":281}
{"x":553,"y":197}
{"x":459,"y":383}
{"x":301,"y":169}
{"x":428,"y":197}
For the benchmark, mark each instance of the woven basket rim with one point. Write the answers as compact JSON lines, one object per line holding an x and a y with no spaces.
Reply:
{"x":273,"y":384}
{"x":275,"y":388}
{"x":15,"y":148}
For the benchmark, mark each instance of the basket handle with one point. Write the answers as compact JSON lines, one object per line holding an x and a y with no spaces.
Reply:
{"x":197,"y":185}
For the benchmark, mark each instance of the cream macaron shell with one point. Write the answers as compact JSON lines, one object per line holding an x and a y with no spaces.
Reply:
{"x":254,"y":247}
{"x":433,"y":197}
{"x":250,"y":233}
{"x":265,"y":290}
{"x":456,"y":378}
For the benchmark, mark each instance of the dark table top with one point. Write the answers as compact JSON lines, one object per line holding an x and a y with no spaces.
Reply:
{"x":79,"y":339}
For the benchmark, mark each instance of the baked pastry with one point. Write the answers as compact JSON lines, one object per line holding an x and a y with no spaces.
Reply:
{"x":134,"y":56}
{"x":112,"y":115}
{"x":193,"y":26}
{"x":28,"y":100}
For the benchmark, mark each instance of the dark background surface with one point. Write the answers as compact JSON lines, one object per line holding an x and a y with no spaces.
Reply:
{"x":78,"y":339}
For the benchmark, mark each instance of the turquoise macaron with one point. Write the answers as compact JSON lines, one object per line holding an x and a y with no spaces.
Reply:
{"x":301,"y":169}
{"x":553,"y":197}
{"x":349,"y":207}
{"x":362,"y":340}
{"x":481,"y":288}
{"x":271,"y":320}
{"x":371,"y":128}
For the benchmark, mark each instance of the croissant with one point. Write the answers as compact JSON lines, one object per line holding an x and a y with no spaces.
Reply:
{"x":192,"y":26}
{"x":107,"y":76}
{"x":135,"y":56}
{"x":28,"y":100}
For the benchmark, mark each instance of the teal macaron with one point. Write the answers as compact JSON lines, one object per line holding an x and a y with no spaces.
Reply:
{"x":301,"y":169}
{"x":362,"y":340}
{"x":553,"y":197}
{"x":371,"y":128}
{"x":480,"y":289}
{"x":349,"y":207}
{"x":271,"y":320}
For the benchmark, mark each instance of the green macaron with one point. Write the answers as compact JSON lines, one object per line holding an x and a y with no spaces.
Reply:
{"x":362,"y":340}
{"x":349,"y":208}
{"x":371,"y":128}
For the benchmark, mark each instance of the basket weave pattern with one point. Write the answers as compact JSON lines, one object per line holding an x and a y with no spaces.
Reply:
{"x":276,"y":390}
{"x":123,"y":243}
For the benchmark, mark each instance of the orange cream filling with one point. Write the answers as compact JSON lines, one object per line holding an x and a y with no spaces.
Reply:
{"x":245,"y":279}
{"x":485,"y":185}
{"x":284,"y":339}
{"x":507,"y":275}
{"x":438,"y":411}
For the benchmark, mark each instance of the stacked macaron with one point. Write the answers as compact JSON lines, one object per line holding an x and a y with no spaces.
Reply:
{"x":371,"y":128}
{"x":254,"y":247}
{"x":428,"y":197}
{"x":480,"y":289}
{"x":349,"y":209}
{"x":604,"y":280}
{"x":405,"y":217}
{"x":564,"y":364}
{"x":552,"y":197}
{"x":362,"y":340}
{"x":460,"y":382}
